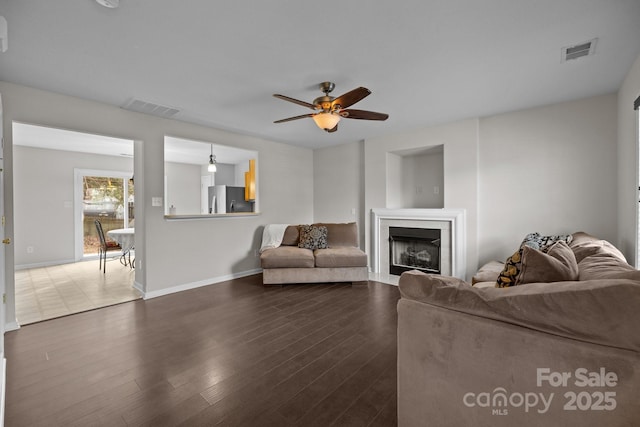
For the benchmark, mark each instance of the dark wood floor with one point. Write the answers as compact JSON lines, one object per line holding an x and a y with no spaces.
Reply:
{"x":233,"y":354}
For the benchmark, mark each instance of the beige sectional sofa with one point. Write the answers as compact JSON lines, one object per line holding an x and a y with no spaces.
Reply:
{"x":560,"y":353}
{"x":341,"y":261}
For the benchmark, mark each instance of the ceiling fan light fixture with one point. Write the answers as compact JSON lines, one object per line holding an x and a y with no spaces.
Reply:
{"x":326,"y":121}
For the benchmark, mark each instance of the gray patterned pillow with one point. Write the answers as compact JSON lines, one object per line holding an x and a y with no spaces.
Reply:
{"x":544,"y":243}
{"x":313,"y":237}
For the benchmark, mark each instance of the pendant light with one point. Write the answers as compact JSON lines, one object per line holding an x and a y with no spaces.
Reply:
{"x":212,"y":162}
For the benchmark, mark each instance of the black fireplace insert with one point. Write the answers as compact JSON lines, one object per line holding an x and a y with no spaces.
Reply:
{"x":414,"y":249}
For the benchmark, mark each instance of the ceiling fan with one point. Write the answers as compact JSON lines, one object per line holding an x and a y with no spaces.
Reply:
{"x":330,"y":110}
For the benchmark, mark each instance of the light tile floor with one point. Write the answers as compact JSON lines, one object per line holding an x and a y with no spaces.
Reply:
{"x":48,"y":292}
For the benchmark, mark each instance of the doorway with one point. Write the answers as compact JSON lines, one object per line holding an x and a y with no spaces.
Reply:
{"x":53,"y":274}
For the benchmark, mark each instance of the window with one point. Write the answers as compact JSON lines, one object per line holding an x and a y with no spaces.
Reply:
{"x":107,"y":197}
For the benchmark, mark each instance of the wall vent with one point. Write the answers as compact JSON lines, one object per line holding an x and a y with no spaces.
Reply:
{"x":579,"y":50}
{"x":150,"y":108}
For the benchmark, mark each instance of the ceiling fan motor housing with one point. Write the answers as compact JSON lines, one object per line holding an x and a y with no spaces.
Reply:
{"x":327,"y":87}
{"x":323,"y":102}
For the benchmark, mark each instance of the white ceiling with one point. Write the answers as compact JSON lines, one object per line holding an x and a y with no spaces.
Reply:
{"x":426,"y":61}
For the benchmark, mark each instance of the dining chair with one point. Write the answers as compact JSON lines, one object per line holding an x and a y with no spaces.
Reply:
{"x":105,"y":245}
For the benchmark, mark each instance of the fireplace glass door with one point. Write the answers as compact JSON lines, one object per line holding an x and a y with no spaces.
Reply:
{"x":414,"y":249}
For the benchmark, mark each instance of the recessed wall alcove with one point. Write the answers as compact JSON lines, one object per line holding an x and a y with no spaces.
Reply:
{"x":415,"y":178}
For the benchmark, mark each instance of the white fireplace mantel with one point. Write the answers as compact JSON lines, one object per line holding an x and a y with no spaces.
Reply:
{"x":456,"y":217}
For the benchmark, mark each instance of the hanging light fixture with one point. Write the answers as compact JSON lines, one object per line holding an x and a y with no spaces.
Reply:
{"x":212,"y":162}
{"x":326,"y":120}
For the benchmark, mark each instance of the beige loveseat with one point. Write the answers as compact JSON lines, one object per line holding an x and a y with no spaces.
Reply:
{"x":341,"y":261}
{"x":541,"y":354}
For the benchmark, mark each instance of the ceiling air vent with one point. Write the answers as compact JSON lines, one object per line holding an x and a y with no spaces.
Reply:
{"x":150,"y":108}
{"x":579,"y":50}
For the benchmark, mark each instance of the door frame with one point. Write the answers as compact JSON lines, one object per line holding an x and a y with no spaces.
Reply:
{"x":636,"y":246}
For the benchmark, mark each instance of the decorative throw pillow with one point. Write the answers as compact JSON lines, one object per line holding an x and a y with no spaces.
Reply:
{"x":513,"y":264}
{"x":556,"y":265}
{"x":546,"y":242}
{"x":543,"y":243}
{"x":291,"y":236}
{"x":313,"y":237}
{"x":507,"y":276}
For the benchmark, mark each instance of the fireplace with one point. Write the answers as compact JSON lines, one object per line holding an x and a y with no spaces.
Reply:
{"x":429,"y":240}
{"x":414,"y":249}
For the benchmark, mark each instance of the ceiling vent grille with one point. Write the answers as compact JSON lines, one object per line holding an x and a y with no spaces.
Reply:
{"x":150,"y":108}
{"x":579,"y":50}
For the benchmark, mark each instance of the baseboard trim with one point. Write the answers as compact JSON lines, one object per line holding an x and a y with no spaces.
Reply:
{"x":387,"y":279}
{"x":44,"y":264}
{"x":11,"y":326}
{"x":193,"y":285}
{"x":3,"y":385}
{"x":138,"y":286}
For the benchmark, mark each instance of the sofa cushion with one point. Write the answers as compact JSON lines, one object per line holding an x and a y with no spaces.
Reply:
{"x":601,"y":311}
{"x":606,"y":266}
{"x":313,"y":237}
{"x":481,"y":285}
{"x":488,"y":272}
{"x":287,"y":257}
{"x":343,"y":256}
{"x":345,"y":234}
{"x":580,"y":237}
{"x":585,"y":245}
{"x":557,"y":265}
{"x":291,"y":236}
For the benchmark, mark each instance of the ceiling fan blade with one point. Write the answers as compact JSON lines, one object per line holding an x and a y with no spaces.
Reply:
{"x":333,"y":129}
{"x":295,"y":101}
{"x":288,"y":119}
{"x":351,"y":97}
{"x":363,"y":115}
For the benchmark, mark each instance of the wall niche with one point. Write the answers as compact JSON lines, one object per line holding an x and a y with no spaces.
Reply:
{"x":415,"y":178}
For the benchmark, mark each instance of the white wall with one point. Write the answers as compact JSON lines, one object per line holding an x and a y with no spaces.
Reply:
{"x":183,"y":187}
{"x":549,"y":169}
{"x":239,"y":171}
{"x":411,"y":179}
{"x":43,"y":203}
{"x":627,"y":164}
{"x":338,"y":185}
{"x":422,"y":181}
{"x":394,"y":194}
{"x":170,"y":253}
{"x":226,"y":174}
